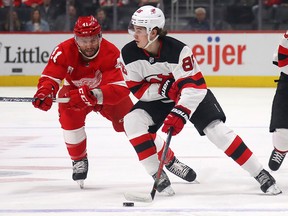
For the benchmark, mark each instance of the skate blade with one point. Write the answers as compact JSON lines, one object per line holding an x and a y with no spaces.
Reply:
{"x":273,"y":190}
{"x":168,"y":191}
{"x":80,"y":183}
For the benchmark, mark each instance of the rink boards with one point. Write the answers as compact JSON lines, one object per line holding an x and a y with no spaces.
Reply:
{"x":227,"y":59}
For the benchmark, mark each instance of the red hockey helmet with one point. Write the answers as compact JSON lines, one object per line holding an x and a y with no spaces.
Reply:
{"x":87,"y":26}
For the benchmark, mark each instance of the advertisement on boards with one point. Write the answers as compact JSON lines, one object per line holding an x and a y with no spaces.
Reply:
{"x":218,"y":54}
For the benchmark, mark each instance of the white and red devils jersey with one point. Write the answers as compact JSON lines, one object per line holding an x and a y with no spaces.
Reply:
{"x":282,"y":56}
{"x":142,"y":70}
{"x":66,"y":63}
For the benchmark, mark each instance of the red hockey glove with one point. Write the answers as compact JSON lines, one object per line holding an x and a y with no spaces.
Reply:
{"x":44,"y":97}
{"x":176,"y":119}
{"x":168,"y":90}
{"x":81,"y":98}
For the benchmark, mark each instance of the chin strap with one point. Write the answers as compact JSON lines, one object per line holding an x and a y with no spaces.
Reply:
{"x":88,"y":57}
{"x":150,"y":41}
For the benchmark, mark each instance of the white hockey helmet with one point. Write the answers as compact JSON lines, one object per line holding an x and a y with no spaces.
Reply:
{"x":149,"y":17}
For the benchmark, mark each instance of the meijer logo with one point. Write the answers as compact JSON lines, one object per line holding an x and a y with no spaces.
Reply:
{"x":214,"y":54}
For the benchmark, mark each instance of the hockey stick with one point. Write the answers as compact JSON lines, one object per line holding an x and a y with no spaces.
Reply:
{"x":138,"y":197}
{"x":29,"y":99}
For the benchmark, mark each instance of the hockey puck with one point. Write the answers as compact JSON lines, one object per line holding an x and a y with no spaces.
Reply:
{"x":128,"y":204}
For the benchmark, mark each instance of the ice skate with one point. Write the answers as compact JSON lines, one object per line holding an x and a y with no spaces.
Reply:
{"x":181,"y":170}
{"x":276,"y":160}
{"x":164,"y":184}
{"x":80,"y":170}
{"x":268,"y":183}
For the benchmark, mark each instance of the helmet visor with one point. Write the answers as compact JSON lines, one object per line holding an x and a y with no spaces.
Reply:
{"x":91,"y":40}
{"x":136,"y":30}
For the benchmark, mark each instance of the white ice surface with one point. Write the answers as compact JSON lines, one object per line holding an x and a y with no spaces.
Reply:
{"x":35,"y":170}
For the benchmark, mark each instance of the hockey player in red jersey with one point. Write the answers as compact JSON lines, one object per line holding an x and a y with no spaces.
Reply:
{"x":87,"y":64}
{"x":279,"y":117}
{"x":166,"y":78}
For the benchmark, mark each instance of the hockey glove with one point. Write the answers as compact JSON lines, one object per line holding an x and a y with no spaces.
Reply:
{"x":81,"y":98}
{"x":44,"y":96}
{"x":176,"y":119}
{"x":167,"y":89}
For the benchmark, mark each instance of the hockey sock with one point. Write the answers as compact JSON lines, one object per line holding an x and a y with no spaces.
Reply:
{"x":238,"y":151}
{"x":242,"y":155}
{"x":77,"y":151}
{"x":144,"y":145}
{"x":169,"y":157}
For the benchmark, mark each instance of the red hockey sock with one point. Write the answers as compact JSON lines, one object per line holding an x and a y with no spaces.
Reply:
{"x":77,"y":151}
{"x":169,"y":156}
{"x":144,"y":146}
{"x":238,"y":151}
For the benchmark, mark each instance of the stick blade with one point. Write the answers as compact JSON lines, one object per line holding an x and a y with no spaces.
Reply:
{"x":138,"y":197}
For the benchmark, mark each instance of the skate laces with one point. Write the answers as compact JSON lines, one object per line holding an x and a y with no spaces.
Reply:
{"x":179,"y":168}
{"x":262,"y":178}
{"x":278,"y":157}
{"x":80,"y":166}
{"x":267,"y":182}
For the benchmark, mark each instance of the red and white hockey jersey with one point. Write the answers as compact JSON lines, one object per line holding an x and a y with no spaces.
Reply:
{"x":143,"y":72}
{"x":66,"y":63}
{"x":281,"y":58}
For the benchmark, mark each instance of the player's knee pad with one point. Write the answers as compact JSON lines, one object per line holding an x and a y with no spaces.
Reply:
{"x":74,"y":136}
{"x":219,"y":134}
{"x":136,"y":123}
{"x":280,"y":139}
{"x":71,"y":119}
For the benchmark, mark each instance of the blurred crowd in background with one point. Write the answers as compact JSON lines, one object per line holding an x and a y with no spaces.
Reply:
{"x":115,"y":15}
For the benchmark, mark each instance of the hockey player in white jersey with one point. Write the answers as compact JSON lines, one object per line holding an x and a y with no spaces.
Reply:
{"x":279,"y":116}
{"x":166,"y":78}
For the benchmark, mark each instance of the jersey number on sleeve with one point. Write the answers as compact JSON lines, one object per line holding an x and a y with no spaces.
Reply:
{"x":55,"y":54}
{"x":187,"y":63}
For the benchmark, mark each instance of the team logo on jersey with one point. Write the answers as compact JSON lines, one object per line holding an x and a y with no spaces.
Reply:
{"x":90,"y":82}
